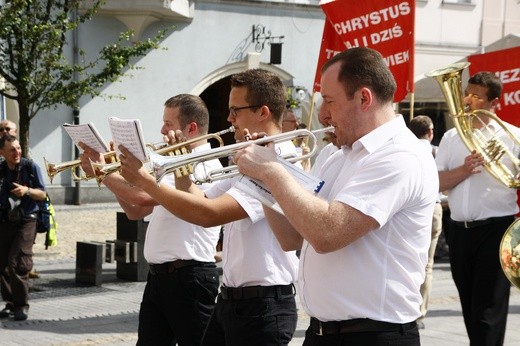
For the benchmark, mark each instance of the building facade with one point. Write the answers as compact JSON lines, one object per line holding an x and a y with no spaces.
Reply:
{"x":214,"y":39}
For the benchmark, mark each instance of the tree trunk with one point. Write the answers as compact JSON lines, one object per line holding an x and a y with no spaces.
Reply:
{"x":23,"y":128}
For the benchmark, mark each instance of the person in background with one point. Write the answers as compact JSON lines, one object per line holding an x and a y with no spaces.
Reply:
{"x":256,"y":304}
{"x":422,"y":128}
{"x":482,"y":208}
{"x":7,"y":127}
{"x":366,"y":234}
{"x":183,"y":281}
{"x":290,"y":123}
{"x":21,"y":186}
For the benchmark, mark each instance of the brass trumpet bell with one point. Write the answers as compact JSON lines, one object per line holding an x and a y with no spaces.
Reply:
{"x":56,"y":168}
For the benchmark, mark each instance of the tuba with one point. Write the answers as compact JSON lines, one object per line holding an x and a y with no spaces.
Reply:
{"x":499,"y":160}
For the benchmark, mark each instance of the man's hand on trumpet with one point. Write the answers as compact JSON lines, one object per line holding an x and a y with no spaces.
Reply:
{"x":89,"y":155}
{"x":133,"y":170}
{"x":257,"y":161}
{"x":174,"y":137}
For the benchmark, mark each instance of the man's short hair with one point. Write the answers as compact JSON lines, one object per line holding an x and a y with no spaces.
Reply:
{"x":264,"y":88}
{"x":191,"y":109}
{"x":490,"y":81}
{"x":7,"y":138}
{"x":420,"y":125}
{"x":364,"y":67}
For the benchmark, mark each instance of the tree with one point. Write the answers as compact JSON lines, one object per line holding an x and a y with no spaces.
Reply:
{"x":33,"y":34}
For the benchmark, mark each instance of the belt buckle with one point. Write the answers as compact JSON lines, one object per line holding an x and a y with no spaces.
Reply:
{"x":320,"y":329}
{"x":466,"y":224}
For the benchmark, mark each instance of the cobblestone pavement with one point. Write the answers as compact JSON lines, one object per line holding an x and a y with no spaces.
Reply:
{"x":64,"y":313}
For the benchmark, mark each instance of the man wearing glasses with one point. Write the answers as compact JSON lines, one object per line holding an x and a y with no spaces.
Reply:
{"x":256,"y":304}
{"x":7,"y":127}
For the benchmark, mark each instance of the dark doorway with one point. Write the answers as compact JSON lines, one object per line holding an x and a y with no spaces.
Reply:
{"x":216,"y":98}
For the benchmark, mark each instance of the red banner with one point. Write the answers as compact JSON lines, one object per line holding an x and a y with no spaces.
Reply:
{"x":331,"y":44}
{"x":506,"y":65}
{"x":386,"y":26}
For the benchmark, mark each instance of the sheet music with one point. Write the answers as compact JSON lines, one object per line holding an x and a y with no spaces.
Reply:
{"x":129,"y":133}
{"x":88,"y":134}
{"x":258,"y":190}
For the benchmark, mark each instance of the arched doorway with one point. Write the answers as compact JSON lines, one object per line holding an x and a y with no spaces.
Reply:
{"x":214,"y":90}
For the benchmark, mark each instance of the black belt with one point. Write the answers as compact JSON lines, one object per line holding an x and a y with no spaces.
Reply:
{"x":249,"y":292}
{"x":170,"y":267}
{"x":357,"y":325}
{"x":480,"y":223}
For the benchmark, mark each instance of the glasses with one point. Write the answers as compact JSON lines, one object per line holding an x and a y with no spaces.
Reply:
{"x":234,"y":110}
{"x":474,"y":97}
{"x":6,"y":129}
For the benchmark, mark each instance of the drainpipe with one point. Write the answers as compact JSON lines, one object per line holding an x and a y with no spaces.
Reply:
{"x":75,"y":112}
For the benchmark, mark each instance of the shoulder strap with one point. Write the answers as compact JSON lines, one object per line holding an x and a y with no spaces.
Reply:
{"x":27,"y":165}
{"x":2,"y":167}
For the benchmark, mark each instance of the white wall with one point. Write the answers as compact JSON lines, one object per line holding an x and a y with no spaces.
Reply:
{"x":220,"y":34}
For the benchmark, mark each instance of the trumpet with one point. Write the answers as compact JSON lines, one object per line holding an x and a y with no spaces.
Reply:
{"x":162,"y":165}
{"x":55,"y":168}
{"x":101,"y":170}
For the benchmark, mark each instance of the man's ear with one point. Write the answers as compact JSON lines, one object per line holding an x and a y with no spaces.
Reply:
{"x":193,"y":128}
{"x":495,"y":102}
{"x":366,"y":97}
{"x":265,"y":112}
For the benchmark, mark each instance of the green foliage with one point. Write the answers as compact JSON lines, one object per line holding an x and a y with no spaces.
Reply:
{"x":292,"y":100}
{"x":33,"y":35}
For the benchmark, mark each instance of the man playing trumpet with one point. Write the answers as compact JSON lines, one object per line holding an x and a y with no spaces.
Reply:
{"x":183,"y":281}
{"x":256,"y":305}
{"x":366,"y":235}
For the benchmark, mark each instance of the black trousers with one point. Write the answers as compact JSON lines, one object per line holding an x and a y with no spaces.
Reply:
{"x":177,"y":305}
{"x":407,"y":336}
{"x":252,"y":322}
{"x":483,"y":287}
{"x":16,"y":261}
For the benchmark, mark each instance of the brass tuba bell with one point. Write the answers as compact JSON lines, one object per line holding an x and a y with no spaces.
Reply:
{"x":499,"y":159}
{"x":510,"y":253}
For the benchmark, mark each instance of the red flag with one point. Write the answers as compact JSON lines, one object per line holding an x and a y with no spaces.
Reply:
{"x":331,"y":44}
{"x":506,"y":65}
{"x":386,"y":26}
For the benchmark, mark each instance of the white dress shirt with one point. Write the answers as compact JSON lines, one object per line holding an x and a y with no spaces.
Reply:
{"x":389,"y":176}
{"x":169,"y":238}
{"x":480,"y":196}
{"x":251,"y":253}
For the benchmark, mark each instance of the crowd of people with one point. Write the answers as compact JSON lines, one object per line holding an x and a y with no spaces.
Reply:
{"x":378,"y":211}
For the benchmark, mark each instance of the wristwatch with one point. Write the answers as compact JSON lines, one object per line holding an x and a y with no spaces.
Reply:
{"x":28,"y":192}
